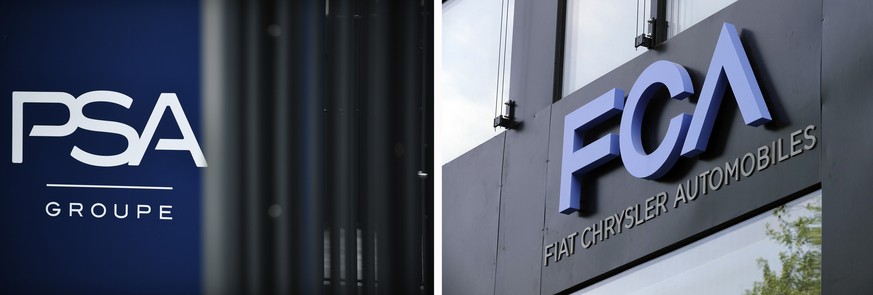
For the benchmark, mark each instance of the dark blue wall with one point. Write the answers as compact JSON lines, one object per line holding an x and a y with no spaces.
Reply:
{"x":138,"y":48}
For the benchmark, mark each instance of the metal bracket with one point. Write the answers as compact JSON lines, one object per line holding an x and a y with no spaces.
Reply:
{"x":657,"y":29}
{"x":508,"y":120}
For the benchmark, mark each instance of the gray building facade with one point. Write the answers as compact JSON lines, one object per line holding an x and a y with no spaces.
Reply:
{"x":503,"y":232}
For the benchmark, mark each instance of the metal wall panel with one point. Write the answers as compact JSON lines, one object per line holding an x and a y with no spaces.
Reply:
{"x":847,"y":102}
{"x":521,"y":202}
{"x":471,"y":198}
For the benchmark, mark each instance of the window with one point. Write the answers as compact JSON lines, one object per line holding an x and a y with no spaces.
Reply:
{"x":477,"y":50}
{"x":682,"y":14}
{"x":599,"y":37}
{"x":600,"y":34}
{"x":747,"y":257}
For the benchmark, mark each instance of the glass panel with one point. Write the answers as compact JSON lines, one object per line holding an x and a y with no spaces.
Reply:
{"x":682,"y":14}
{"x":600,"y":33}
{"x":599,"y":38}
{"x":475,"y":71}
{"x":778,"y":252}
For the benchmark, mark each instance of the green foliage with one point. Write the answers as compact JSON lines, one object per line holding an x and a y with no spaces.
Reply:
{"x":801,"y":262}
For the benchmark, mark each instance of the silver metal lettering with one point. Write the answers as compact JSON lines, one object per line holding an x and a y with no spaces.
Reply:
{"x":779,"y":148}
{"x":597,"y":232}
{"x":563,"y":250}
{"x":572,"y":238}
{"x":794,"y":143}
{"x":702,"y":178}
{"x":639,"y":220}
{"x":619,"y":218}
{"x":662,"y":199}
{"x":608,"y":228}
{"x":629,"y":217}
{"x":650,"y":206}
{"x":582,"y":239}
{"x":807,"y":133}
{"x":680,"y":195}
{"x":548,"y":254}
{"x":731,"y":171}
{"x":720,"y":178}
{"x":746,"y":157}
{"x":763,"y":157}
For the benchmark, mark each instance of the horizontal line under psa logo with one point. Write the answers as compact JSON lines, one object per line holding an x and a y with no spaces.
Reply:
{"x":105,"y":186}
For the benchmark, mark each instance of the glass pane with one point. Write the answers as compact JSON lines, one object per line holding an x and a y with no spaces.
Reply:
{"x":682,"y":14}
{"x":748,"y":258}
{"x":475,"y":65}
{"x":599,"y":38}
{"x":600,"y":33}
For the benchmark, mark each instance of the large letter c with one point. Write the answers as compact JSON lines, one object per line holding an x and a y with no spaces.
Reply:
{"x":656,"y":164}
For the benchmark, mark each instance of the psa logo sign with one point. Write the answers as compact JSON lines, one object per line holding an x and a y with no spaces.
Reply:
{"x":687,"y":135}
{"x":136,"y":143}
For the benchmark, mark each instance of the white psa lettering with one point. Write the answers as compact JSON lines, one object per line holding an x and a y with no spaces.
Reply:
{"x":136,"y":144}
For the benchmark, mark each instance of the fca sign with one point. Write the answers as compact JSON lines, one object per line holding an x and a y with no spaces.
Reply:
{"x":687,"y":135}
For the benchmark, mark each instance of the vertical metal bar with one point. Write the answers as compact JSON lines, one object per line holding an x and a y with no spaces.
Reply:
{"x":393,"y":186}
{"x":426,"y":146}
{"x":253,"y":204}
{"x":221,"y":230}
{"x":409,"y":43}
{"x":560,"y":39}
{"x":371,"y":189}
{"x":306,"y":84}
{"x":340,"y":71}
{"x":347,"y":64}
{"x":659,"y":12}
{"x":354,"y":172}
{"x":282,"y":101}
{"x":351,"y":199}
{"x":378,"y":148}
